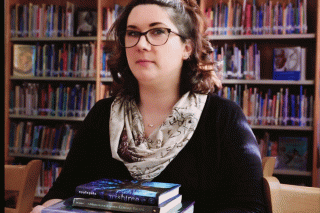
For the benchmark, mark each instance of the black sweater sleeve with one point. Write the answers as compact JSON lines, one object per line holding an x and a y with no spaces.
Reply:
{"x":240,"y":176}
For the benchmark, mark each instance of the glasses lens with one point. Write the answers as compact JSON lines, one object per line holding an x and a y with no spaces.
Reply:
{"x":131,"y":38}
{"x":156,"y":37}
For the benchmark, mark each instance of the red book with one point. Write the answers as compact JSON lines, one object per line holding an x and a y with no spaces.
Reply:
{"x":248,"y":19}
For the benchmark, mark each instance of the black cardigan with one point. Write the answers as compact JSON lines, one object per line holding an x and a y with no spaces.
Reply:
{"x":219,"y":168}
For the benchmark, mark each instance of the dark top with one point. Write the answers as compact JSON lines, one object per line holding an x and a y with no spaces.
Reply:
{"x":220,"y":167}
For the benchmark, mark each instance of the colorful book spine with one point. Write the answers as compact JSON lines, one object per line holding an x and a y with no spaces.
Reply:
{"x":33,"y":139}
{"x":251,"y":18}
{"x":239,"y":63}
{"x":52,"y":100}
{"x":42,"y":20}
{"x":272,"y":107}
{"x":49,"y":173}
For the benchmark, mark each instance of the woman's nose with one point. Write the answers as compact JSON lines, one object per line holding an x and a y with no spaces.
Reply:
{"x":143,"y":43}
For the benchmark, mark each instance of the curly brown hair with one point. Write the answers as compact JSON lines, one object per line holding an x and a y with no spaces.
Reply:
{"x":198,"y":72}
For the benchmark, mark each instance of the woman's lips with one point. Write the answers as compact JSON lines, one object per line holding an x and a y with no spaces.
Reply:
{"x":144,"y":63}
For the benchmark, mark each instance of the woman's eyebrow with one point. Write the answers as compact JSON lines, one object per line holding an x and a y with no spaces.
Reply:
{"x":150,"y":25}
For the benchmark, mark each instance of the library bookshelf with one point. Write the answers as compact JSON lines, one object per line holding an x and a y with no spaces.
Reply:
{"x":265,"y":43}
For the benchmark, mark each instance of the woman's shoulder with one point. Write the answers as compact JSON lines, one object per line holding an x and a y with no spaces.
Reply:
{"x":101,"y":108}
{"x":221,"y":104}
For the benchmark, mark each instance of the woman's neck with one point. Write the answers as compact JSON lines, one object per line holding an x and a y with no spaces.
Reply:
{"x":155,"y":106}
{"x":158,"y":100}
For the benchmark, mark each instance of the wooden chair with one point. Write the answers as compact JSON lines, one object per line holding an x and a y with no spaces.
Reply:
{"x":22,"y":179}
{"x":268,"y":164}
{"x":290,"y":198}
{"x":285,"y":198}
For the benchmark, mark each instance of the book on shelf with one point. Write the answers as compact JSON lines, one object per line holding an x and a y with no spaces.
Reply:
{"x":66,"y":207}
{"x":292,"y":153}
{"x":139,"y":192}
{"x":24,"y":57}
{"x":288,"y":64}
{"x":109,"y":16}
{"x":251,"y":18}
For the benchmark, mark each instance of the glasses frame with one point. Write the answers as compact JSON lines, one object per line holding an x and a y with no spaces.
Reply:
{"x":145,"y":34}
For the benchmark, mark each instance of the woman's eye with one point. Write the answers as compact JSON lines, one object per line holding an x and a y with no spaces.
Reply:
{"x":158,"y":31}
{"x":132,"y":33}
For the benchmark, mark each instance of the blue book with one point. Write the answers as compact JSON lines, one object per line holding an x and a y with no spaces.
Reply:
{"x":293,"y":109}
{"x":293,"y":153}
{"x":287,"y":63}
{"x":125,"y":191}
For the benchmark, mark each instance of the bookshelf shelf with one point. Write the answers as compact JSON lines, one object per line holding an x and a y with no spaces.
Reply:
{"x":48,"y":39}
{"x":267,"y":82}
{"x":262,"y":37}
{"x":45,"y":157}
{"x":32,"y":78}
{"x":53,"y":118}
{"x":107,"y":79}
{"x":288,"y":128}
{"x":292,"y":172}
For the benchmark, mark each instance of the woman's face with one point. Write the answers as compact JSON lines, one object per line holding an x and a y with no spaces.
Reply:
{"x":155,"y":65}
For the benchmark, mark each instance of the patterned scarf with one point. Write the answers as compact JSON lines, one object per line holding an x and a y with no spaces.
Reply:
{"x":146,"y":158}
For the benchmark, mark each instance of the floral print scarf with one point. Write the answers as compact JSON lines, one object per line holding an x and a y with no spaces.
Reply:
{"x":145,"y":158}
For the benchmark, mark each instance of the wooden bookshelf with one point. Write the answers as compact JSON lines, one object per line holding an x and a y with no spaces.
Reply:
{"x":312,"y":38}
{"x":266,"y":43}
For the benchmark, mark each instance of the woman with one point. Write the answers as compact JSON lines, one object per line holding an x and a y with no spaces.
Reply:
{"x":165,"y":124}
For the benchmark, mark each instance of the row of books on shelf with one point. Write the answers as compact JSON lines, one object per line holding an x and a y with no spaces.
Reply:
{"x":52,"y":100}
{"x":58,"y":60}
{"x":49,"y":173}
{"x":238,"y":63}
{"x":289,"y":63}
{"x":50,"y":20}
{"x":272,"y":108}
{"x":115,"y":195}
{"x":291,"y":152}
{"x":33,"y":139}
{"x":270,"y":17}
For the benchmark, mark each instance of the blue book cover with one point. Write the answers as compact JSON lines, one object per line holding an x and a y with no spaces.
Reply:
{"x":139,"y":192}
{"x":287,"y":63}
{"x":292,"y":153}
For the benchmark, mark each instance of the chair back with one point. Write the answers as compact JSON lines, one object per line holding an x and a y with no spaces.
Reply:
{"x":268,"y":164}
{"x":22,"y":179}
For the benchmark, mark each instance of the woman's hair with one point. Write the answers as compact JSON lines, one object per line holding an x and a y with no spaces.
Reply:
{"x":198,"y":72}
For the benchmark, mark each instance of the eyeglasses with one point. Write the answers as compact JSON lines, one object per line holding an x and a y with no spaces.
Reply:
{"x":155,"y":36}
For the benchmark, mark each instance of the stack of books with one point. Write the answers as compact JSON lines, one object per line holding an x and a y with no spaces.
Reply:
{"x":112,"y":195}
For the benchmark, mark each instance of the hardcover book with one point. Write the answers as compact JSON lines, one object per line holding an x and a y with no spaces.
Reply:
{"x":93,"y":203}
{"x":138,"y":192}
{"x":66,"y":207}
{"x":292,"y":153}
{"x":24,"y":58}
{"x":287,"y":63}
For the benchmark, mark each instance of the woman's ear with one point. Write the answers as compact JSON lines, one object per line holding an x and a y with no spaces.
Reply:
{"x":188,"y":48}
